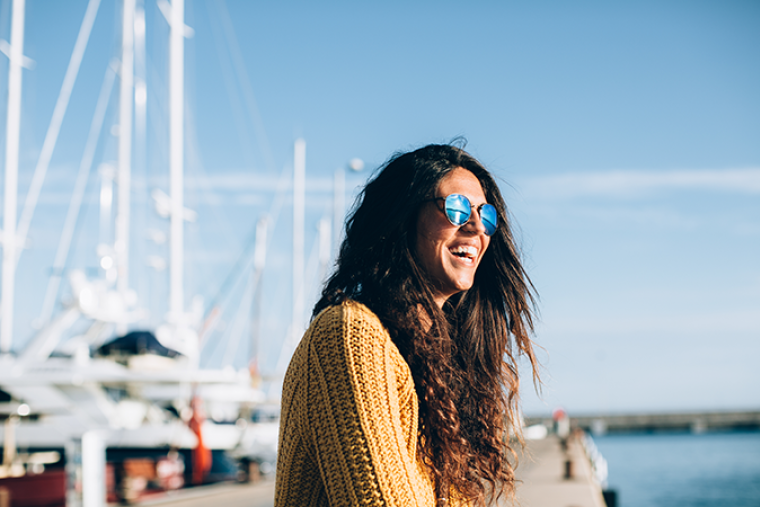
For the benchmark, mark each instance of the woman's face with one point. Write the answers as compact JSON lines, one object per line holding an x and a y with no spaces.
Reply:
{"x":451,"y":254}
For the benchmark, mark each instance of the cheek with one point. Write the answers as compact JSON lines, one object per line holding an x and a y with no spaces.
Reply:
{"x":425,"y":235}
{"x":433,"y":231}
{"x":429,"y":251}
{"x":425,"y":248}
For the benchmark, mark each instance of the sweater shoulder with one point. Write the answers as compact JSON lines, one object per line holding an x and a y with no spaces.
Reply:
{"x":349,"y":310}
{"x":351,"y":317}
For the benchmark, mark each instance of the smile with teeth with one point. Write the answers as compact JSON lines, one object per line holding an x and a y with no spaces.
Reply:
{"x":465,"y":252}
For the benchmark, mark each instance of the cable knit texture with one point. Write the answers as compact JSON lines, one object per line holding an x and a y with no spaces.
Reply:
{"x":349,"y":418}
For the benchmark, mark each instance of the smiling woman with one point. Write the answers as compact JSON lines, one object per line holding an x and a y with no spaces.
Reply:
{"x":449,"y":251}
{"x":404,"y":388}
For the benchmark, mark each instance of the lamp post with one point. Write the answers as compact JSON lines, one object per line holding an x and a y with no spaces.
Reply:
{"x":339,"y":200}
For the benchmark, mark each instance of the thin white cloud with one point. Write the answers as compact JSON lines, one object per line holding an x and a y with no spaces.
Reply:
{"x":629,"y":214}
{"x":246,"y":181}
{"x":636,"y":183}
{"x":738,"y":324}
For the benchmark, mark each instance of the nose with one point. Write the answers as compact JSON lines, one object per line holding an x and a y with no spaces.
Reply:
{"x":475,"y":224}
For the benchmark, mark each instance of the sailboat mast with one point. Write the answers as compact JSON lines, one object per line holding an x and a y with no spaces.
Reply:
{"x":259,"y":261}
{"x":176,"y":158}
{"x":339,"y":207}
{"x":299,"y":196}
{"x":11,"y":174}
{"x":121,"y":243}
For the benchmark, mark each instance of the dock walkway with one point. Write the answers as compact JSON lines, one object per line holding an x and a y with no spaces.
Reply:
{"x":260,"y":494}
{"x":541,"y":475}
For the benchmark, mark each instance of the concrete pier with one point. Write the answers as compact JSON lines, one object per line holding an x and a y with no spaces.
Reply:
{"x":549,"y":475}
{"x":696,"y":422}
{"x":260,"y":494}
{"x":542,"y":475}
{"x":544,"y":480}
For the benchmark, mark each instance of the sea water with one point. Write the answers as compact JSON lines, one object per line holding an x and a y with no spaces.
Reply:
{"x":684,"y":469}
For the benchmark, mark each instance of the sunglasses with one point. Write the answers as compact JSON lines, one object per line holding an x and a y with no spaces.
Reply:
{"x":459,"y":210}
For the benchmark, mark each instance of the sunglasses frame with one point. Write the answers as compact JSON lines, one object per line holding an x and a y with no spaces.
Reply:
{"x":450,"y":209}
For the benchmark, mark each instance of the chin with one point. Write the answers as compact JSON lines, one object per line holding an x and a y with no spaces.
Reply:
{"x":462,"y":287}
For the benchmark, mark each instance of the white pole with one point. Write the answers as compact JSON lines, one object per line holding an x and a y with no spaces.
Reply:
{"x":121,"y":244}
{"x":299,"y":196}
{"x":107,"y":174}
{"x":141,"y":90}
{"x":139,"y":180}
{"x":324,"y":251}
{"x":93,"y":469}
{"x":339,"y":207}
{"x":9,"y":440}
{"x":259,"y":261}
{"x":11,"y":174}
{"x":176,"y":162}
{"x":260,"y":247}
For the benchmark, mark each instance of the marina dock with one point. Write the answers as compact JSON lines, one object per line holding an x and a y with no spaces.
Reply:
{"x":541,"y":475}
{"x":549,"y":475}
{"x":259,"y":494}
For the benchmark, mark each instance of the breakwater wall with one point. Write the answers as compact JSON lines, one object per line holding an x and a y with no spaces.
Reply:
{"x":695,"y":422}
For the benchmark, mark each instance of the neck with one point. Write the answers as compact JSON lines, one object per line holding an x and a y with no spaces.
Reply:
{"x":424,"y":318}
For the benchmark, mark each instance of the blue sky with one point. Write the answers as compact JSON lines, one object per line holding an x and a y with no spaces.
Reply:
{"x":626,"y":135}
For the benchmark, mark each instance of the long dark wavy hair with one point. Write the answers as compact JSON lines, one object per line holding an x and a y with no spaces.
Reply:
{"x":462,"y":357}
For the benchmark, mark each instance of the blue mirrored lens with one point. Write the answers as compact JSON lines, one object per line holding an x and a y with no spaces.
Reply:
{"x":457,"y":209}
{"x":488,"y":218}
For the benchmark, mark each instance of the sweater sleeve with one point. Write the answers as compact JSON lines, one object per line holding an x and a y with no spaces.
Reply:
{"x":365,"y":454}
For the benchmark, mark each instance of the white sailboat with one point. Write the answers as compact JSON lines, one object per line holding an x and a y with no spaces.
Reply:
{"x":55,"y":393}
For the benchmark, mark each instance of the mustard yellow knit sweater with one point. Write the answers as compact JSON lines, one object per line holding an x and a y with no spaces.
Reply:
{"x":348,"y":433}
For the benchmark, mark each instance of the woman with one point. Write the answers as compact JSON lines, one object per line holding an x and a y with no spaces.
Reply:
{"x":404,"y":388}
